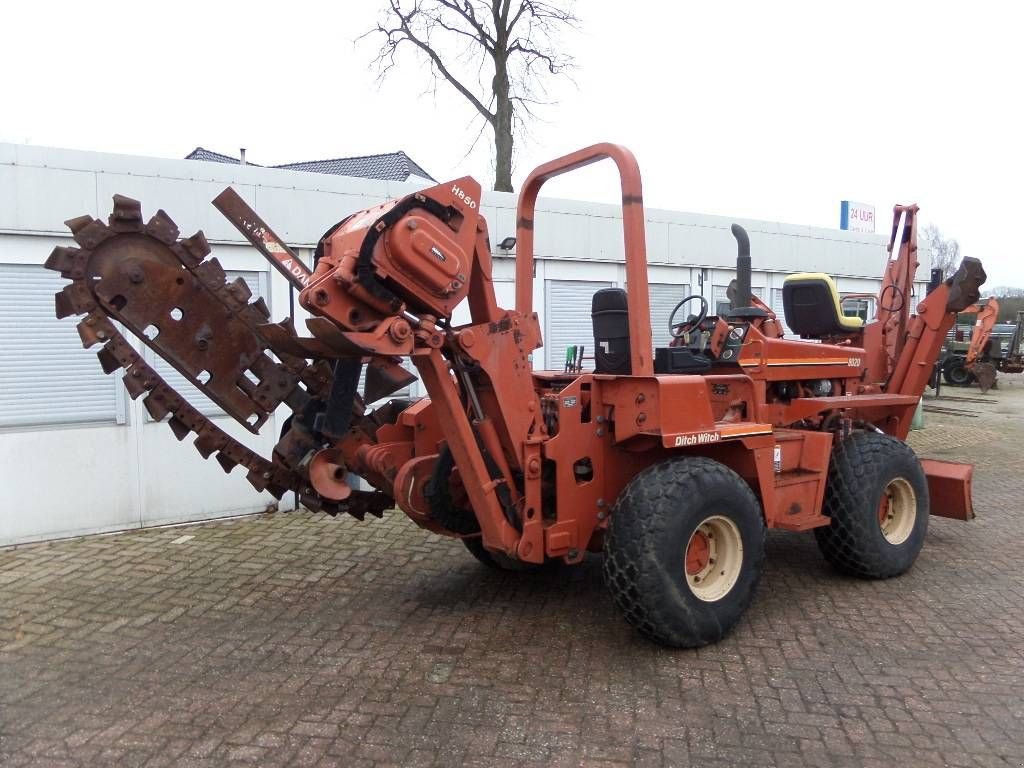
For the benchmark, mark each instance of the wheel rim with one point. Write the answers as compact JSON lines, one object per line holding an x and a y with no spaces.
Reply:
{"x":897,"y":511}
{"x":714,"y":558}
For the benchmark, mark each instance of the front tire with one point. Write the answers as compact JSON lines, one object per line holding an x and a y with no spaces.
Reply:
{"x":877,"y":497}
{"x":955,"y":372}
{"x":684,"y":551}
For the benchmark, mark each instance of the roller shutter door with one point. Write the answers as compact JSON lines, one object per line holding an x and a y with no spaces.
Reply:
{"x":46,"y":377}
{"x":779,"y":310}
{"x":567,"y":319}
{"x":720,"y":299}
{"x":664,"y":297}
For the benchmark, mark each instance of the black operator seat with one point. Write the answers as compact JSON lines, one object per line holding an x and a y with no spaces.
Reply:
{"x":813,"y":308}
{"x":609,"y":314}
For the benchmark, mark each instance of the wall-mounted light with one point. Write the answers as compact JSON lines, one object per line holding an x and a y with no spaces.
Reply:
{"x":507,"y":244}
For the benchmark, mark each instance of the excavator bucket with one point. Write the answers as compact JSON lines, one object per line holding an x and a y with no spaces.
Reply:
{"x":985,"y":374}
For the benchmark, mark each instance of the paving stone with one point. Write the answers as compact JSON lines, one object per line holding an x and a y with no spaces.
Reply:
{"x":297,"y":639}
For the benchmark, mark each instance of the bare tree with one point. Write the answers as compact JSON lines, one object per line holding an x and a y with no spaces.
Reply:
{"x":514,"y":43}
{"x":1008,"y":291}
{"x":1011,"y":301}
{"x":945,"y":252}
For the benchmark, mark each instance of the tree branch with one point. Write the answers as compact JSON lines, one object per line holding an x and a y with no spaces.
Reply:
{"x":403,"y":33}
{"x":510,"y":46}
{"x":466,"y":12}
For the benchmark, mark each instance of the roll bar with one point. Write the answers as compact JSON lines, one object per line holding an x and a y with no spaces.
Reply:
{"x":633,"y":236}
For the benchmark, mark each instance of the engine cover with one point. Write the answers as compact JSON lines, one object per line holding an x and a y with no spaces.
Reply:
{"x":419,"y":248}
{"x":413,"y":253}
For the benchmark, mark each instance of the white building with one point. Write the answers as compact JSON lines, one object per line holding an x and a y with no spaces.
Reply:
{"x":77,"y":455}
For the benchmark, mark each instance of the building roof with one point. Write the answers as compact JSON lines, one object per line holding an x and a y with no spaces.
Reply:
{"x":200,"y":153}
{"x":391,"y":166}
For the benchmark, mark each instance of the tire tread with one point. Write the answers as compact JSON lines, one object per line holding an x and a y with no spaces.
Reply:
{"x":644,"y":514}
{"x":850,"y":543}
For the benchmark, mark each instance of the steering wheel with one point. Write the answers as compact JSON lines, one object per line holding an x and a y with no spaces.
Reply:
{"x":678,"y":330}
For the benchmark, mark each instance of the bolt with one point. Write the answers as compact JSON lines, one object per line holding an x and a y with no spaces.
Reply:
{"x":600,"y":431}
{"x":601,"y":503}
{"x":101,"y":334}
{"x":266,"y":475}
{"x":600,"y":419}
{"x":574,"y":553}
{"x":640,"y":398}
{"x":641,"y":418}
{"x":602,"y":515}
{"x":321,"y":298}
{"x":400,"y":330}
{"x":411,"y":224}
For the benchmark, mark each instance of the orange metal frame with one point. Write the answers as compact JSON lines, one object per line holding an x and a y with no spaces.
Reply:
{"x":986,"y":321}
{"x":541,"y":456}
{"x":633,"y":232}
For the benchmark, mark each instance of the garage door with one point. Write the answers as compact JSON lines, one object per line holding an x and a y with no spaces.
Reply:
{"x":779,"y":310}
{"x":720,"y":300}
{"x":664,"y":297}
{"x":567,"y":319}
{"x":46,"y":377}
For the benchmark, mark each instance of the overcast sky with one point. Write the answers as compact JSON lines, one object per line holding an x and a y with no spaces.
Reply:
{"x":769,"y":110}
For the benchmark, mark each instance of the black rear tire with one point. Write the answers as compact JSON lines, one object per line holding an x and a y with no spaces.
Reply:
{"x":654,"y":525}
{"x":869,"y":470}
{"x":955,"y":372}
{"x":497,"y":560}
{"x":442,"y":508}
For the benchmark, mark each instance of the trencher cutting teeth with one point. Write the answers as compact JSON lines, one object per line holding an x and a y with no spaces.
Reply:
{"x":179,"y":303}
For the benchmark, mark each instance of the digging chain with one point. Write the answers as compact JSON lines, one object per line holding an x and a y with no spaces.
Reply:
{"x":125,"y":255}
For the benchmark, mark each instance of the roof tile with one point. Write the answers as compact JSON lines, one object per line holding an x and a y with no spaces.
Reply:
{"x":391,"y":166}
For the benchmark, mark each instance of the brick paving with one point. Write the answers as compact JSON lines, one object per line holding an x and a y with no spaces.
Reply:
{"x":304,"y":641}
